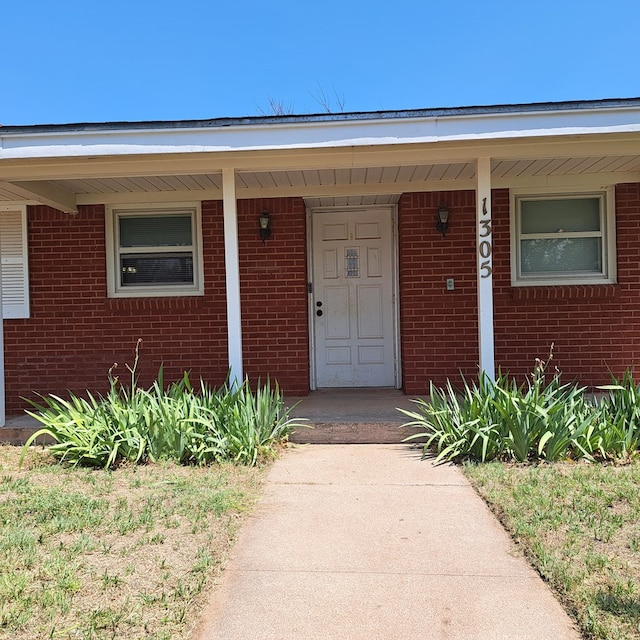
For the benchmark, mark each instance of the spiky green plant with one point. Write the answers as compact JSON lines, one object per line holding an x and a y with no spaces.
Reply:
{"x":538,"y":419}
{"x":617,"y":432}
{"x":458,"y":423}
{"x":178,"y":422}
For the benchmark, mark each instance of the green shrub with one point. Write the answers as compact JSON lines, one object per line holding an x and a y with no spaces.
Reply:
{"x":616,"y":426}
{"x":176,"y":423}
{"x":500,"y":419}
{"x":540,"y":419}
{"x":459,"y":424}
{"x":262,"y":410}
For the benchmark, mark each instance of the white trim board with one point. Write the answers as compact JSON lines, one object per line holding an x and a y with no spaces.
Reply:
{"x":319,"y":133}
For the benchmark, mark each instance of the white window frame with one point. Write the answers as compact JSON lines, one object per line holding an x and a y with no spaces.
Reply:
{"x":608,"y":274}
{"x":112,"y":220}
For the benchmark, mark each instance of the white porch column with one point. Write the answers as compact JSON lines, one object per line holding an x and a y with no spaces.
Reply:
{"x":3,"y":413}
{"x":232,"y":272}
{"x":484,"y":251}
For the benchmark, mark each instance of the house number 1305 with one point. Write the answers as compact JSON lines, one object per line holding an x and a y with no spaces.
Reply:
{"x":484,"y":246}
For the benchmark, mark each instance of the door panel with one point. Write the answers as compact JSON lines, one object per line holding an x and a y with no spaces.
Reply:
{"x":370,"y":312}
{"x":337,"y":320}
{"x":353,"y":319}
{"x":330,"y":264}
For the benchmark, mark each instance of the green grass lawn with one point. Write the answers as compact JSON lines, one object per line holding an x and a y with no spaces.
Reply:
{"x":579,"y":525}
{"x":131,"y":553}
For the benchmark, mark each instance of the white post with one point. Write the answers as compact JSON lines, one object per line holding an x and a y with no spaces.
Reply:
{"x":3,"y":413}
{"x":232,"y":272}
{"x":484,"y":250}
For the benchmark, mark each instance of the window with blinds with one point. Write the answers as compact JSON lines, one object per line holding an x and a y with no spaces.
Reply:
{"x":562,"y":239}
{"x":155,"y":252}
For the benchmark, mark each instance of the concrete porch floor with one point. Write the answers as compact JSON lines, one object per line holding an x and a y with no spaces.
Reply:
{"x":352,"y":416}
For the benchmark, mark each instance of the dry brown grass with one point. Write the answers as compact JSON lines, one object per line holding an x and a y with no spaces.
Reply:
{"x":579,"y":524}
{"x":126,"y":554}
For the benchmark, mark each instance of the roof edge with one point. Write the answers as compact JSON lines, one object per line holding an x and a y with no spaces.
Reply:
{"x":439,"y":112}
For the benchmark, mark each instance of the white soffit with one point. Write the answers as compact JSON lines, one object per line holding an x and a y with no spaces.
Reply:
{"x":308,"y":179}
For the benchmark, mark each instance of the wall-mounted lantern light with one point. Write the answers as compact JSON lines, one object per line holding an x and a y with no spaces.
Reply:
{"x":442,"y":220}
{"x":265,"y":225}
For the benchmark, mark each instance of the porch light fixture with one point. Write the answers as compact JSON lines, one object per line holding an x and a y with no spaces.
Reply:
{"x":265,"y":225}
{"x":442,"y":220}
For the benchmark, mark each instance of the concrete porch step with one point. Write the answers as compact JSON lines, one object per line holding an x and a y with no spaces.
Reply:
{"x":352,"y":433}
{"x":353,"y":416}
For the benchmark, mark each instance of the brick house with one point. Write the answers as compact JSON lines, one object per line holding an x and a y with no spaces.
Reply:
{"x":403,"y":247}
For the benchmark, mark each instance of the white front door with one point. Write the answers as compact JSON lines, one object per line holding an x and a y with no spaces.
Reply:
{"x":353,"y":302}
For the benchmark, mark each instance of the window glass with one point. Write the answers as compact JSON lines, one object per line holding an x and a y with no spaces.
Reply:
{"x":156,"y":269}
{"x":155,"y":231}
{"x":561,"y":255}
{"x":568,"y":215}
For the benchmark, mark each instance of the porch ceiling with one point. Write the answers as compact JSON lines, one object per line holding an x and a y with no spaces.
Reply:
{"x":323,"y":185}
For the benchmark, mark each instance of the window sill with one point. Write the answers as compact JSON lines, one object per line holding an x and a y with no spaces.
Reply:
{"x":566,"y":292}
{"x":157,"y":303}
{"x":155,"y":292}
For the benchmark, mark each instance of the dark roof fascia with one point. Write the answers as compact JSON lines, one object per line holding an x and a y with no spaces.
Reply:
{"x":445,"y":112}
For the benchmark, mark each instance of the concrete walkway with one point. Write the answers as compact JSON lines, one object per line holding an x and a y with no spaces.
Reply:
{"x":362,"y":542}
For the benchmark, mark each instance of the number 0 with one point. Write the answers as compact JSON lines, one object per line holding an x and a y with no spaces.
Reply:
{"x":484,"y":248}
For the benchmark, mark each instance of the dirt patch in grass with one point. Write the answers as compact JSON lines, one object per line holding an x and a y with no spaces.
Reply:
{"x":126,"y":554}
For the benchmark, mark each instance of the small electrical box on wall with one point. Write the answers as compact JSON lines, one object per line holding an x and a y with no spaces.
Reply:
{"x":451,"y":285}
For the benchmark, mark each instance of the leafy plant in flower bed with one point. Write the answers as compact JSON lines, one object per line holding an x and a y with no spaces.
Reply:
{"x":459,"y":423}
{"x":615,"y":430}
{"x":539,"y":419}
{"x":176,"y":423}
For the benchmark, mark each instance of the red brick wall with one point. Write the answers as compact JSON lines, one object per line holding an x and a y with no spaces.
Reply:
{"x":273,"y":292}
{"x":439,"y":328}
{"x":75,"y":333}
{"x":595,"y":329}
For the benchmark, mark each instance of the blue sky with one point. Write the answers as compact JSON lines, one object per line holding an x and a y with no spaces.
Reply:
{"x":84,"y":61}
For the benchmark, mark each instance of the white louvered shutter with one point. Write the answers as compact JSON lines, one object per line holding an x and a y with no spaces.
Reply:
{"x":13,"y":252}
